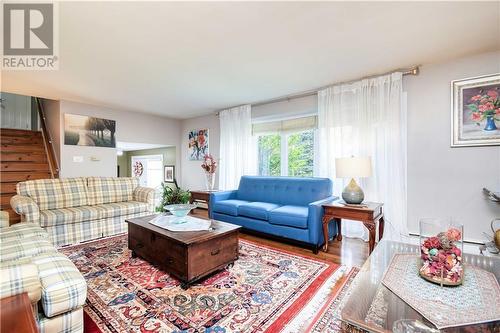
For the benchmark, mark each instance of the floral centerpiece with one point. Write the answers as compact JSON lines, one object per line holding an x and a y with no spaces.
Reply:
{"x":210,"y":166}
{"x":441,"y":258}
{"x":485,"y":106}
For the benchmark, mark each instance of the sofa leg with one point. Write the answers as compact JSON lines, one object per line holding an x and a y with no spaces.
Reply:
{"x":315,"y":249}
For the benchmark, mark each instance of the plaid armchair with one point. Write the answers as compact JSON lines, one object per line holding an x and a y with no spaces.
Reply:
{"x":30,"y":263}
{"x":74,"y":210}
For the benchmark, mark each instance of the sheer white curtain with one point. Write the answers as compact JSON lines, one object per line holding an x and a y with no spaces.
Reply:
{"x":367,"y":118}
{"x":237,"y":148}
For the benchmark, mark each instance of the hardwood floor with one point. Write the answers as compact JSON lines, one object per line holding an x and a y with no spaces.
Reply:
{"x":350,"y":252}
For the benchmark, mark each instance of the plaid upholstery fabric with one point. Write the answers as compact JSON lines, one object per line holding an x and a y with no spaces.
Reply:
{"x":63,"y":286}
{"x":26,"y":207}
{"x":74,"y":233}
{"x":146,"y":194}
{"x":122,"y":208}
{"x":22,"y":230}
{"x":68,"y":322}
{"x":103,"y":190}
{"x":117,"y":225}
{"x":4,"y":219}
{"x":49,"y":218}
{"x":20,"y":278}
{"x":55,"y":193}
{"x":14,"y":249}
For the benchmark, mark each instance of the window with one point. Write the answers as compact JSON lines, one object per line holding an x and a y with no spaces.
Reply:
{"x":149,"y":169}
{"x":290,"y":154}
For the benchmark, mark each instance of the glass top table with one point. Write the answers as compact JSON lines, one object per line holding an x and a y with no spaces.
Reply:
{"x":374,"y":308}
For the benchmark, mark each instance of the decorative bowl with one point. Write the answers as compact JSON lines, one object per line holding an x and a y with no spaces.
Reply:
{"x":180,"y":210}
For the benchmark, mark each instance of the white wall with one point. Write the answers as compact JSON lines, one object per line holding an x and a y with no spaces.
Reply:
{"x":444,"y":181}
{"x":192,"y":175}
{"x":130,"y":127}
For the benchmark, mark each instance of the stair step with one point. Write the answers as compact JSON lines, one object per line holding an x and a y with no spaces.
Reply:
{"x":15,"y":176}
{"x":18,"y":132}
{"x":8,"y":187}
{"x":5,"y":199}
{"x":23,"y":166}
{"x":22,"y":148}
{"x":20,"y":140}
{"x":38,"y":156}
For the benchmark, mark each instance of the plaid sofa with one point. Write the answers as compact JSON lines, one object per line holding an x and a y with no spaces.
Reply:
{"x":30,"y":263}
{"x":74,"y":210}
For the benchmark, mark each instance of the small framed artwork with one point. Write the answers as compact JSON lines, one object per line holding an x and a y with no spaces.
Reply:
{"x":198,"y":144}
{"x":169,"y":173}
{"x":475,"y":108}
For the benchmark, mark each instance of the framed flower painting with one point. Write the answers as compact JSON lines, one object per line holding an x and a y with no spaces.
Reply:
{"x":475,"y":107}
{"x":198,"y":144}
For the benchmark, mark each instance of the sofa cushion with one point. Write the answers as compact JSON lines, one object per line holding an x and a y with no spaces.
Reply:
{"x":55,"y":193}
{"x":63,"y":286}
{"x":103,"y":190}
{"x":229,"y":207}
{"x":15,"y":249}
{"x":49,"y":218}
{"x":292,"y":216}
{"x":122,"y":208}
{"x":297,"y":191}
{"x":257,"y":210}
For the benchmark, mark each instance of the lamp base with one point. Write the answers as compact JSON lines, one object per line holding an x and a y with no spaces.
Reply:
{"x":352,"y":193}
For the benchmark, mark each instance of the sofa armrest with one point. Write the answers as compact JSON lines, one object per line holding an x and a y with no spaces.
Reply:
{"x":315,"y":220}
{"x":219,"y":196}
{"x":4,"y":219}
{"x":26,"y":207}
{"x":147,"y":195}
{"x":20,"y":278}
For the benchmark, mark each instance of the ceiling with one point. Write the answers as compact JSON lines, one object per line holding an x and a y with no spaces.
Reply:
{"x":182,"y":59}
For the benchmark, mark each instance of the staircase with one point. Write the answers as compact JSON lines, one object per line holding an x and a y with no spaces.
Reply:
{"x":23,"y":157}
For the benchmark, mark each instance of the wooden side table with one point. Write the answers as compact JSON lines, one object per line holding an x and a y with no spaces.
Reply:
{"x":369,"y":216}
{"x":201,"y":196}
{"x":16,"y":314}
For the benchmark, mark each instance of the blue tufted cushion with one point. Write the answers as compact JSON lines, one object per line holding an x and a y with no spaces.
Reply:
{"x":296,"y":191}
{"x":257,"y":210}
{"x":229,"y":207}
{"x":292,"y":216}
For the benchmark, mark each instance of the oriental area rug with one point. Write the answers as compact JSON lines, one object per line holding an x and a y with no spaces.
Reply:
{"x":265,"y":290}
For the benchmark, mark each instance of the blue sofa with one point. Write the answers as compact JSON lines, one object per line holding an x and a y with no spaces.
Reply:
{"x":288,"y":207}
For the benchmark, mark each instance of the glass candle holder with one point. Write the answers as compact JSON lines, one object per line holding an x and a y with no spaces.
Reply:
{"x":441,"y":248}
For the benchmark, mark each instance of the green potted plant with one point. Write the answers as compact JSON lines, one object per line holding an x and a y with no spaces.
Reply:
{"x":172,"y":196}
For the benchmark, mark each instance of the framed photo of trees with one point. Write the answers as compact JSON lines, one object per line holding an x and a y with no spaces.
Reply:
{"x":89,"y":131}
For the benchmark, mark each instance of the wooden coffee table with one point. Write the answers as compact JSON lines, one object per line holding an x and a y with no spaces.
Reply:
{"x":187,"y":255}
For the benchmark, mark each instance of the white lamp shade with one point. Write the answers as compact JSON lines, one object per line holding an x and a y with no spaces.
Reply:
{"x":348,"y":167}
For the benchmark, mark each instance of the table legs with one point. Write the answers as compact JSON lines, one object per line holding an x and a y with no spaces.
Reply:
{"x":339,"y":228}
{"x":370,"y":225}
{"x":380,"y":228}
{"x":326,"y":220}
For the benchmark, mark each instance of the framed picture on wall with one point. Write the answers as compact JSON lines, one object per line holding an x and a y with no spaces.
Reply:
{"x":198,"y":144}
{"x":89,"y":131}
{"x":169,"y":173}
{"x":475,"y":108}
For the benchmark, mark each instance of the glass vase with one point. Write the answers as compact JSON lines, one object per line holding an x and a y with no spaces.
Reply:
{"x":441,"y":248}
{"x":209,"y":181}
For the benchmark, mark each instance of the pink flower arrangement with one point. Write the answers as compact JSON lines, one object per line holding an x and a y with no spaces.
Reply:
{"x":209,"y":164}
{"x":485,"y":105}
{"x":441,"y":258}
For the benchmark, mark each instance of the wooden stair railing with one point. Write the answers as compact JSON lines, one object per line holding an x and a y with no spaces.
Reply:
{"x":47,"y":140}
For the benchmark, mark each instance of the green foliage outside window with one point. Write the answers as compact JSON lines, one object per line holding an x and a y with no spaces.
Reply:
{"x":300,"y":154}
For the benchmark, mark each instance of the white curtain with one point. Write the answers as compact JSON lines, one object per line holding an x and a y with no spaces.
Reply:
{"x":367,"y":118}
{"x":237,"y":148}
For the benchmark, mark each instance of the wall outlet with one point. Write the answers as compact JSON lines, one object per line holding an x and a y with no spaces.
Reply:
{"x":78,"y":159}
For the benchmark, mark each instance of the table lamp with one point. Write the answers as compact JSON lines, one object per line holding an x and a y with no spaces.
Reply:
{"x":350,"y":167}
